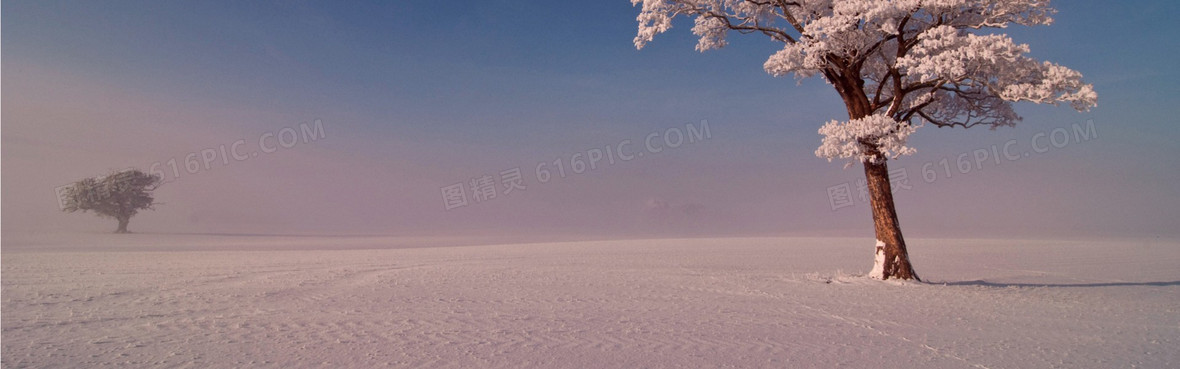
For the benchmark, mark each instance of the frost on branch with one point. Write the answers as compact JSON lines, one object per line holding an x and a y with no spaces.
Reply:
{"x":711,"y":32}
{"x":929,"y":61}
{"x":656,"y":18}
{"x":870,"y":139}
{"x":982,"y":67}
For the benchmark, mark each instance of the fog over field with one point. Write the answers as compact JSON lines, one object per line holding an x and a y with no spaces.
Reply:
{"x":612,"y":184}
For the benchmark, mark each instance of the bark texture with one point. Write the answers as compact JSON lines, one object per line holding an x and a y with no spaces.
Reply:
{"x":896,"y":263}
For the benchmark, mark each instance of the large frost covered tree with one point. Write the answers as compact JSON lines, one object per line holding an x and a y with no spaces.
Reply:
{"x":897,"y":64}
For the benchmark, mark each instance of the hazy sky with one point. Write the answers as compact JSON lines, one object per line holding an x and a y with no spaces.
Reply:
{"x":415,"y":96}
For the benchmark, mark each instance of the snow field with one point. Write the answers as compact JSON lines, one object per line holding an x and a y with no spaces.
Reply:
{"x":732,"y":302}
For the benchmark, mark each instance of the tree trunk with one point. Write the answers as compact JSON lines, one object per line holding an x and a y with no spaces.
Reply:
{"x":123,"y":225}
{"x":892,"y":259}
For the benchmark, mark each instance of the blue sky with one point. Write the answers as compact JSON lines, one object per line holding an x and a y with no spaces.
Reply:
{"x":418,"y":95}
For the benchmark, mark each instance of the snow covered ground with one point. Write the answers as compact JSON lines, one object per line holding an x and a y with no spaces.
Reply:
{"x":232,"y":301}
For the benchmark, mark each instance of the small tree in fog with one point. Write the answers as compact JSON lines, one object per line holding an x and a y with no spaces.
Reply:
{"x":119,"y":195}
{"x":896,"y":64}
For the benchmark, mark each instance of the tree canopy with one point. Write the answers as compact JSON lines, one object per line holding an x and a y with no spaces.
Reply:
{"x":118,"y":195}
{"x":906,"y":62}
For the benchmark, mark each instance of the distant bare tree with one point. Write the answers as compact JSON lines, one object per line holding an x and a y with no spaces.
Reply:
{"x":118,"y":195}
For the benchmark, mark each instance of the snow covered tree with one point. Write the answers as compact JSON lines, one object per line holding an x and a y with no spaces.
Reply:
{"x":119,"y":195}
{"x":897,"y":64}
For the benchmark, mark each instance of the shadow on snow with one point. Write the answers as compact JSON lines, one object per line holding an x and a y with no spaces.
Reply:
{"x":1061,"y":285}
